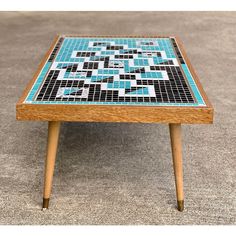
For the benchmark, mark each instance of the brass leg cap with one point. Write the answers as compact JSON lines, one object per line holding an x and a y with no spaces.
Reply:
{"x":180,"y":205}
{"x":45,"y":203}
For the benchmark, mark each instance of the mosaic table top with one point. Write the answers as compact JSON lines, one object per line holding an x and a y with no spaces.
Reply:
{"x":115,"y":71}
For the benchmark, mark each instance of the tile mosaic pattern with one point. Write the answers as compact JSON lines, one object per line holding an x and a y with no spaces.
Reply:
{"x":116,"y":71}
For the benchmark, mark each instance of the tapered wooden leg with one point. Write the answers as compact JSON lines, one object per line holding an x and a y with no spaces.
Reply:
{"x":53,"y":135}
{"x":176,"y":146}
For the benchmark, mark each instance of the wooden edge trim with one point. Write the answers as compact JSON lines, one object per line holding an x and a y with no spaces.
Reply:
{"x":30,"y":84}
{"x":117,"y":36}
{"x":192,"y":71}
{"x":93,"y":113}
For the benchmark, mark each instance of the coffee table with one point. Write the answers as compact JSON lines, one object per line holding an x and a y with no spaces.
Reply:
{"x":138,"y":79}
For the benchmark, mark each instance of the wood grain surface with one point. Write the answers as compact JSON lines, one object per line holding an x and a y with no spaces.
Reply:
{"x":99,"y":113}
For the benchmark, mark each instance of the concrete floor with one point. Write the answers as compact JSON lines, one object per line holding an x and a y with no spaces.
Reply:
{"x":119,"y":173}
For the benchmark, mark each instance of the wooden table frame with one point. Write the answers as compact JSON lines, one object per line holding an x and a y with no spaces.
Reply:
{"x":57,"y":113}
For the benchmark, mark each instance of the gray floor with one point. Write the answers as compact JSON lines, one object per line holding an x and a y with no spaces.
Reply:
{"x":119,"y":173}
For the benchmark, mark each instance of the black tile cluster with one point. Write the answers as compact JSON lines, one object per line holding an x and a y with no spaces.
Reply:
{"x":55,"y":50}
{"x":179,"y":55}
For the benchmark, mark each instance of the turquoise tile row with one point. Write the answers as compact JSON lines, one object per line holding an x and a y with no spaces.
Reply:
{"x":117,"y":103}
{"x":153,"y":75}
{"x":193,"y":85}
{"x":141,"y":91}
{"x":141,"y":62}
{"x":119,"y":85}
{"x":108,"y":71}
